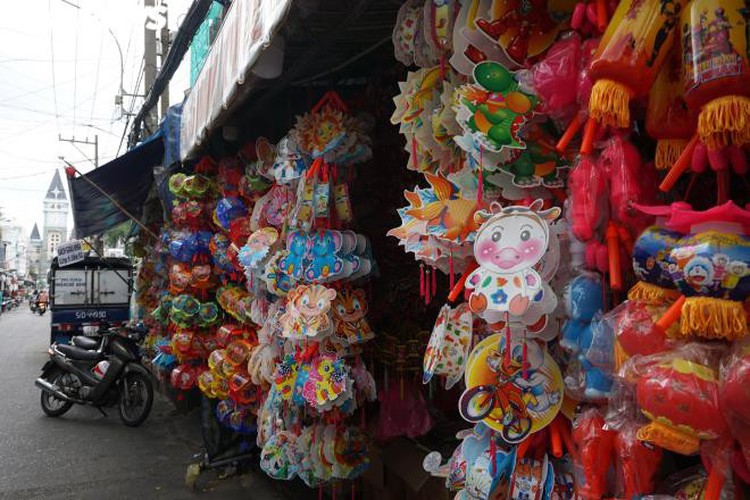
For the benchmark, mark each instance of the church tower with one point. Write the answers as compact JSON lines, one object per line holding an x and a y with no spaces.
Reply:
{"x":55,"y":228}
{"x":34,"y":252}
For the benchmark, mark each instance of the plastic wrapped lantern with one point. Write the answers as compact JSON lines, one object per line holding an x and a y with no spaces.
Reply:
{"x":632,"y":50}
{"x":734,"y":396}
{"x":679,"y":393}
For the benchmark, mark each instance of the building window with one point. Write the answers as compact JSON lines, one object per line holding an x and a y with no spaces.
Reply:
{"x":54,"y":242}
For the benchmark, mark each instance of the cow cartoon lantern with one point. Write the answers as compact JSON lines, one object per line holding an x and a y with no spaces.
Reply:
{"x":510,"y":242}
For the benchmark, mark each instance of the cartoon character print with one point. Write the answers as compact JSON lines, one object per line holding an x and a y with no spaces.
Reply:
{"x":289,"y":164}
{"x":280,"y":201}
{"x":285,"y":377}
{"x":325,"y":262}
{"x":327,"y":381}
{"x":508,"y":245}
{"x":720,"y":262}
{"x":699,"y":274}
{"x":349,"y":311}
{"x":278,"y":458}
{"x":307,"y":313}
{"x":295,"y":262}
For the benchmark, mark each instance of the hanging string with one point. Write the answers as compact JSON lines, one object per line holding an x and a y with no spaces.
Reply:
{"x":507,"y":338}
{"x":421,"y":280}
{"x":434,"y":283}
{"x":450,"y":264}
{"x":480,"y":187}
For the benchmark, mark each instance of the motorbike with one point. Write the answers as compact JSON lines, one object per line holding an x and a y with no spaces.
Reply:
{"x":102,"y":371}
{"x":38,"y":307}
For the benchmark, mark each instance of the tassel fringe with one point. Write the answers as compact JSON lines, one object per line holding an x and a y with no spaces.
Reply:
{"x":725,"y":121}
{"x":667,"y":152}
{"x":652,"y":294}
{"x":713,"y":318}
{"x":610,"y":103}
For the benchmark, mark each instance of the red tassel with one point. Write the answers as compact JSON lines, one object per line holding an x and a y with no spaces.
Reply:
{"x":434,"y":283}
{"x":421,"y":280}
{"x":427,"y":287}
{"x":493,"y":453}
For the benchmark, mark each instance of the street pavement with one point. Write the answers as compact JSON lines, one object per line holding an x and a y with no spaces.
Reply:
{"x":85,"y":455}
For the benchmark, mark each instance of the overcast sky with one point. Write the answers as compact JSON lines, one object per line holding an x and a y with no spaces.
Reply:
{"x":59,"y":74}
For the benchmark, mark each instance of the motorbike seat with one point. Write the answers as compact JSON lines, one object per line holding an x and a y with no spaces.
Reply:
{"x":86,"y":342}
{"x":75,"y":352}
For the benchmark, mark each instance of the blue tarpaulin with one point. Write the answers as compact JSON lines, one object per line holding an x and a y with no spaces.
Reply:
{"x":126,"y":179}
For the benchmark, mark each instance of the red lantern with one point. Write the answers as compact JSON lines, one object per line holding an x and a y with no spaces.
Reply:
{"x":681,"y":398}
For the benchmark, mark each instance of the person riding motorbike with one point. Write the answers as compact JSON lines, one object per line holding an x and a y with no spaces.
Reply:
{"x":42,"y":299}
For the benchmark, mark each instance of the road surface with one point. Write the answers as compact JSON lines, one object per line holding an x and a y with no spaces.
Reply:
{"x":85,"y":455}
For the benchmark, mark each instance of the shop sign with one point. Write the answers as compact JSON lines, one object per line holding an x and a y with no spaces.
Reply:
{"x":69,"y":253}
{"x":246,"y":31}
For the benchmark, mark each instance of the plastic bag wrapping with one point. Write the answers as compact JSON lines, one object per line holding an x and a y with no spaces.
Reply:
{"x":635,"y":331}
{"x":734,"y":395}
{"x":595,"y":444}
{"x":600,"y":352}
{"x":630,"y":181}
{"x":678,"y":392}
{"x":554,"y":79}
{"x":688,"y":484}
{"x":637,"y":463}
{"x":587,"y":198}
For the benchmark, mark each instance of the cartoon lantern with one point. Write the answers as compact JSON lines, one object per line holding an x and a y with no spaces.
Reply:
{"x":631,"y":52}
{"x":715,"y":48}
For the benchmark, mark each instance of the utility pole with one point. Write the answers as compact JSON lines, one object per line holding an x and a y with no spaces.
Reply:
{"x":149,"y":62}
{"x":86,"y":141}
{"x":164,"y":39}
{"x":97,"y":241}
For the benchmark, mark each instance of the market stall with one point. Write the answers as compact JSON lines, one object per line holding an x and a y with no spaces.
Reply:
{"x":454,"y":240}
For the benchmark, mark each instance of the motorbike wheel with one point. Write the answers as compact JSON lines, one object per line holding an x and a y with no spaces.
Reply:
{"x":136,"y":399}
{"x":51,"y":404}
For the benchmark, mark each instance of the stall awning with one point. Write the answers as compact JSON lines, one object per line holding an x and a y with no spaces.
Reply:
{"x":247,"y":30}
{"x":127,"y":180}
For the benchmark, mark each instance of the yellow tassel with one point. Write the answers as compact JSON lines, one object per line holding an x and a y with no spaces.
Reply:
{"x":652,"y":294}
{"x":609,"y":103}
{"x":713,"y":318}
{"x":724,"y":121}
{"x":667,"y":152}
{"x":664,"y":434}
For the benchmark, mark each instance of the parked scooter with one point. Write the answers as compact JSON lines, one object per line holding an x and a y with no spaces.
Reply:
{"x":101,"y":372}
